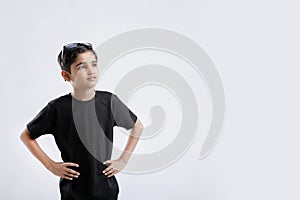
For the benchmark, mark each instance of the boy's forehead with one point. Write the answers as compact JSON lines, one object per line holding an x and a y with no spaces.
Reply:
{"x":85,"y":57}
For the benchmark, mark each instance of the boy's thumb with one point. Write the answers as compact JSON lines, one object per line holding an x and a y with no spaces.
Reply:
{"x":106,"y":162}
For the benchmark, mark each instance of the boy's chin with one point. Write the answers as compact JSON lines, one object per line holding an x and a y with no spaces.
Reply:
{"x":90,"y":85}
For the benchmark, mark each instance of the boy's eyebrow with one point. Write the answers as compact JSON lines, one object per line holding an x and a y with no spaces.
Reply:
{"x":94,"y":61}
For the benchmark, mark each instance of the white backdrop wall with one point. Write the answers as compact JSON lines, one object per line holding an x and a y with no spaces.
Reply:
{"x":255,"y":47}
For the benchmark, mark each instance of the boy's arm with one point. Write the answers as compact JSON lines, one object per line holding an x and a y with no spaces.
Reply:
{"x":59,"y":169}
{"x":119,"y":164}
{"x":35,"y":149}
{"x":134,"y":136}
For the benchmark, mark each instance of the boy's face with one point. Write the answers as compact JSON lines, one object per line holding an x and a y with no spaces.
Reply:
{"x":84,"y":72}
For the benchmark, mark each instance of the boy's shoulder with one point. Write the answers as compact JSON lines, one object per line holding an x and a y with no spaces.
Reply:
{"x":66,"y":98}
{"x":104,"y":92}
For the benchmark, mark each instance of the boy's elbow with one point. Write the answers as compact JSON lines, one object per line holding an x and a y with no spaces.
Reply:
{"x":139,"y":124}
{"x":22,"y":136}
{"x":25,"y":135}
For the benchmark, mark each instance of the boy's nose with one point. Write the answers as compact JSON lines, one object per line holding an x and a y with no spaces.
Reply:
{"x":91,"y":70}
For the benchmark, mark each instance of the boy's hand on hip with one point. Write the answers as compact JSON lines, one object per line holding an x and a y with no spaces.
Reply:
{"x":114,"y":167}
{"x":61,"y":169}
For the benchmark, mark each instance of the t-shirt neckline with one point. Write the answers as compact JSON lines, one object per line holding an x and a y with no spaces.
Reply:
{"x":89,"y":100}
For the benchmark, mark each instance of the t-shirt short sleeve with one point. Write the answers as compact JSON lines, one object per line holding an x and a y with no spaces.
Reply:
{"x":122,"y":115}
{"x":43,"y":122}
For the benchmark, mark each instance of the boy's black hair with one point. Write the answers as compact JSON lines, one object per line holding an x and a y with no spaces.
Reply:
{"x":70,"y":56}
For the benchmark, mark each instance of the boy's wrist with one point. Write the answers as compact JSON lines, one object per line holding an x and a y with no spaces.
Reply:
{"x":124,"y":160}
{"x":49,"y":165}
{"x":125,"y":156}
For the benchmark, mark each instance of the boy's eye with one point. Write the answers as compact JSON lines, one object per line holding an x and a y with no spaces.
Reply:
{"x":81,"y":67}
{"x":95,"y":65}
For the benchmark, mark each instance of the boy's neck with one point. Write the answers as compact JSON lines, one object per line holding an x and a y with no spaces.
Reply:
{"x":83,"y":95}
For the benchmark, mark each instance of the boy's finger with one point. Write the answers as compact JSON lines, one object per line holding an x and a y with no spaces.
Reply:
{"x":66,"y":177}
{"x":107,"y":162}
{"x":107,"y":170}
{"x":72,"y":171}
{"x":111,"y":173}
{"x":71,"y":175}
{"x":72,"y":164}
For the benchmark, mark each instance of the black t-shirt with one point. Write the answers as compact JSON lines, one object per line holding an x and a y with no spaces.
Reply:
{"x":83,"y":132}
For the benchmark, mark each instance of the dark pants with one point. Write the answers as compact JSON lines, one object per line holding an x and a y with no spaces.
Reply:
{"x":99,"y":188}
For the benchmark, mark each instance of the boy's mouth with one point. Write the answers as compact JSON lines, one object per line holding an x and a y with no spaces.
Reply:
{"x":93,"y":78}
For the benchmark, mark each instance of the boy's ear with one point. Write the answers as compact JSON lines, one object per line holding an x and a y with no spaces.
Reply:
{"x":65,"y":75}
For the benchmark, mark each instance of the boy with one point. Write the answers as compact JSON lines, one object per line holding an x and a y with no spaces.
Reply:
{"x":82,"y":124}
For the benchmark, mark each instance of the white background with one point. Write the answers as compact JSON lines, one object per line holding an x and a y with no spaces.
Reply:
{"x":255,"y":47}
